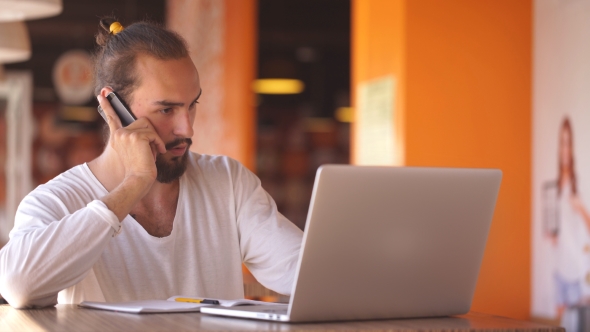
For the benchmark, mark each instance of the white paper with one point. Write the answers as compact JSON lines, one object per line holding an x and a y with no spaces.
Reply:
{"x":146,"y":306}
{"x":162,"y":306}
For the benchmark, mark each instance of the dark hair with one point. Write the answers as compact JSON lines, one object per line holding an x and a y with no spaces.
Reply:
{"x":114,"y":60}
{"x":567,"y":126}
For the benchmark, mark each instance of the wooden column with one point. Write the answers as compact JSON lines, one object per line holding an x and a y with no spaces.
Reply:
{"x":222,"y":40}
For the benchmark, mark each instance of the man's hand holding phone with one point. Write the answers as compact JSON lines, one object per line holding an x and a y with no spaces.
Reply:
{"x":122,"y":110}
{"x":137,"y":144}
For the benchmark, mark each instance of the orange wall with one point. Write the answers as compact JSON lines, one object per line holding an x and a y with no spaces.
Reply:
{"x":465,"y":85}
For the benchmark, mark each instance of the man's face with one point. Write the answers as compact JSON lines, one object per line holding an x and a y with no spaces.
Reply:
{"x":167,"y":96}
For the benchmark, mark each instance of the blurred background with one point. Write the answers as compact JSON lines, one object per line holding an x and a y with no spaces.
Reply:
{"x":289,"y":85}
{"x":295,"y":131}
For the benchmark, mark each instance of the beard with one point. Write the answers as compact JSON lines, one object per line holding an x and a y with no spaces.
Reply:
{"x":170,"y":170}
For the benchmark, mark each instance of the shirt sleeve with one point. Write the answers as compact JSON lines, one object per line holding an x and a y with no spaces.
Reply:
{"x":51,"y":249}
{"x":269,"y":242}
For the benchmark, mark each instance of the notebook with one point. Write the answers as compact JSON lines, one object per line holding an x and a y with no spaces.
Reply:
{"x":388,"y":242}
{"x":173,"y":304}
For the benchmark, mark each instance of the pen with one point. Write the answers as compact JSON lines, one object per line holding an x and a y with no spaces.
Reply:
{"x":203,"y":301}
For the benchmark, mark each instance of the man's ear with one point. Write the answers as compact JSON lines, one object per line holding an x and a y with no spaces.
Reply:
{"x":105,"y":91}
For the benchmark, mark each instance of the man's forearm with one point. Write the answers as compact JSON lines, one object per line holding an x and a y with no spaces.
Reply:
{"x":124,"y":197}
{"x":39,"y":262}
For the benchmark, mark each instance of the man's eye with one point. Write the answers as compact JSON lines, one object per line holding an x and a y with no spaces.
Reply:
{"x":166,"y":111}
{"x":194,"y":104}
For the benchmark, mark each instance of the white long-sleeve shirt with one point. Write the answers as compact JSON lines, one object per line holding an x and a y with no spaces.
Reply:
{"x":65,"y":240}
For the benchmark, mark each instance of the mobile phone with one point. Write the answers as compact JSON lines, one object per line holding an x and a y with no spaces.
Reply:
{"x":124,"y":113}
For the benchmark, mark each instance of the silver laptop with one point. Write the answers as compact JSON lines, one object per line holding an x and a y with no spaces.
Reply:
{"x":388,"y":242}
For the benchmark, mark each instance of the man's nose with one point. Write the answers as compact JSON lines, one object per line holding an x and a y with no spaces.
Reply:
{"x":183,"y":126}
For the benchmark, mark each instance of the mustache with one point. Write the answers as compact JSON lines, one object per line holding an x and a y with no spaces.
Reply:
{"x":178,"y":141}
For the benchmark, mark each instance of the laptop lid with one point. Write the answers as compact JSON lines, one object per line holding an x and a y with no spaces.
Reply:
{"x":393,"y":242}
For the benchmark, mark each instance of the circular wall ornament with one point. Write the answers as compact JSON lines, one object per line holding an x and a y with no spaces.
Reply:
{"x":73,"y":77}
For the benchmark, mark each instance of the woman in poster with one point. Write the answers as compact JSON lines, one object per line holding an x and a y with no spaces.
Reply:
{"x":571,"y":240}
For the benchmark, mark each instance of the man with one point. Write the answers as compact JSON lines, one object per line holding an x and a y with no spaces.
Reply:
{"x":147,"y":219}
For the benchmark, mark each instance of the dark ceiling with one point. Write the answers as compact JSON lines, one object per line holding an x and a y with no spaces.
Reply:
{"x":314,"y":37}
{"x":311,"y":36}
{"x":75,"y":28}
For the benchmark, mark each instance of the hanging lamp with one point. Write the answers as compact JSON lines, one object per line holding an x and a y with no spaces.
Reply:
{"x":20,"y":10}
{"x":15,"y":45}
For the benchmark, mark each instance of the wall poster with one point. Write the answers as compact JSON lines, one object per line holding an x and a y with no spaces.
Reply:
{"x":375,"y":126}
{"x":561,"y":159}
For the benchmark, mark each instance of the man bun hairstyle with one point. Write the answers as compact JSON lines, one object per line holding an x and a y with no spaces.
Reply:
{"x":118,"y":48}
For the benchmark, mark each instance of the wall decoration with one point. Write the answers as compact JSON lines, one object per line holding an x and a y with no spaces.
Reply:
{"x":73,"y":77}
{"x":561,"y":158}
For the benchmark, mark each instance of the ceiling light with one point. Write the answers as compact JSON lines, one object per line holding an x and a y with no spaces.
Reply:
{"x":19,"y":10}
{"x":15,"y":45}
{"x":278,"y":86}
{"x":344,"y":114}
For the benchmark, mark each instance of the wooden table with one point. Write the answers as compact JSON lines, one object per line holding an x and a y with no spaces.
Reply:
{"x":71,"y":318}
